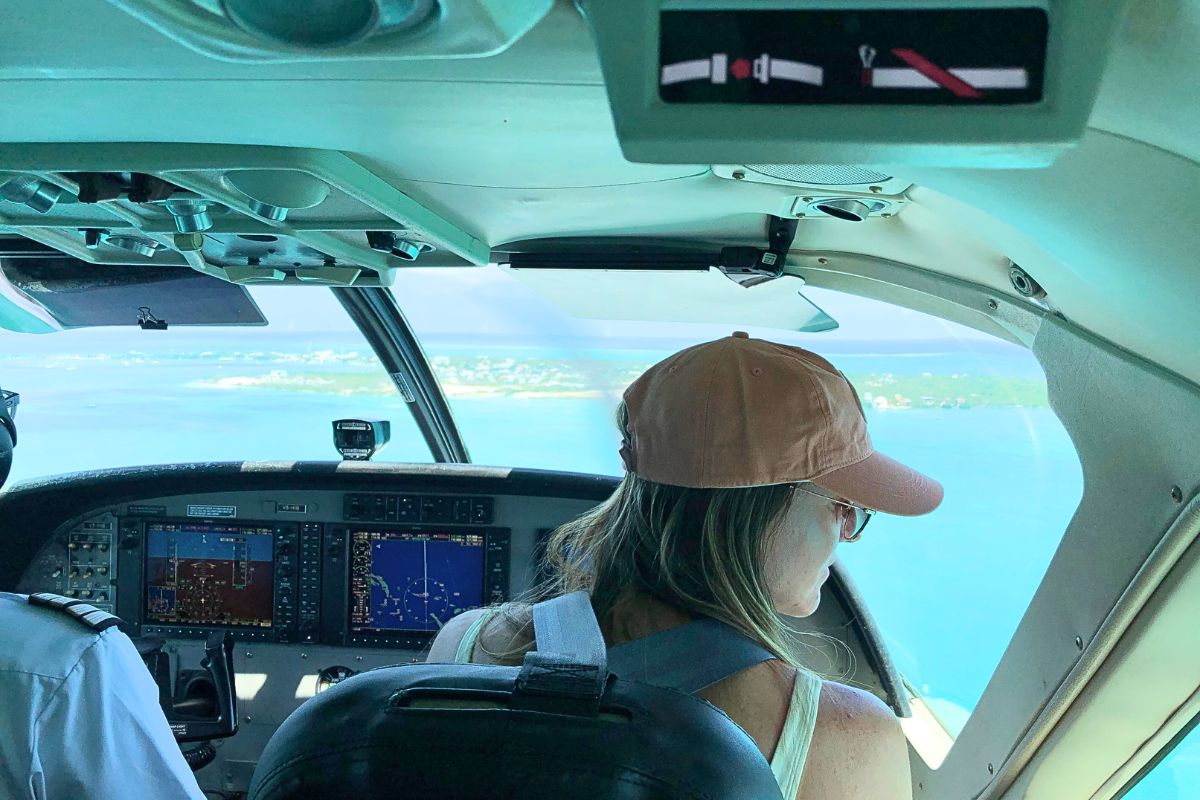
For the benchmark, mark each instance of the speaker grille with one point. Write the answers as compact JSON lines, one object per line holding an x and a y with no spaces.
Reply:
{"x":819,"y":174}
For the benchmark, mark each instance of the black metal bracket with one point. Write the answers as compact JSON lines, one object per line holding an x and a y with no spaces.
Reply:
{"x":148,"y":322}
{"x":750,"y":266}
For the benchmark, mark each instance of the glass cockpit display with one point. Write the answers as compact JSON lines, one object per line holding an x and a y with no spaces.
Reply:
{"x":209,"y":574}
{"x":993,"y":56}
{"x":413,"y":581}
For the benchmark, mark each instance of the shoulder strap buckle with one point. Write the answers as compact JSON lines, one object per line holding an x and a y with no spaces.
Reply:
{"x":568,"y":671}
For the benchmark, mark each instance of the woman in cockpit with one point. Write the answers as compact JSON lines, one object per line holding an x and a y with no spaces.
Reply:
{"x":747,"y":462}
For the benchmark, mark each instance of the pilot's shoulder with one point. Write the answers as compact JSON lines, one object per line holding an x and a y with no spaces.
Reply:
{"x":52,"y":640}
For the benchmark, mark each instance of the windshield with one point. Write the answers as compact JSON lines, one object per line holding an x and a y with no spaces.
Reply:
{"x":533,"y":387}
{"x":530,"y":386}
{"x":113,"y":397}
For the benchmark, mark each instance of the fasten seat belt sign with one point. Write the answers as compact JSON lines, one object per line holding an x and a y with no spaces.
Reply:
{"x":718,"y":69}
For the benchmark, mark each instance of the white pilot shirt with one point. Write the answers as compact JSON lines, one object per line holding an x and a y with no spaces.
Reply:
{"x":79,"y":714}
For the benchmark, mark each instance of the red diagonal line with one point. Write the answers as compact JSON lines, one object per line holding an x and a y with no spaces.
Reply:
{"x":935,"y":73}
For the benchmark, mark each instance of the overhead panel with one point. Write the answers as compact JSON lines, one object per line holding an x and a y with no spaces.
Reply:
{"x":1005,"y":83}
{"x":242,"y":214}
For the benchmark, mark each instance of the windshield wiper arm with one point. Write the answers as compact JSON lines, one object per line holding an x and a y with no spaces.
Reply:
{"x":381,"y":321}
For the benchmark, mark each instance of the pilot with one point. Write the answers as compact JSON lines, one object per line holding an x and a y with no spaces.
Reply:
{"x":747,"y":462}
{"x":79,"y":712}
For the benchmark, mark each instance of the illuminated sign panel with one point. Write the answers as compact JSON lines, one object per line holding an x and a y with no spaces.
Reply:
{"x":868,"y":57}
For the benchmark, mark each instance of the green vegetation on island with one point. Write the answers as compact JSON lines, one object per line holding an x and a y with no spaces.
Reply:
{"x":487,"y":377}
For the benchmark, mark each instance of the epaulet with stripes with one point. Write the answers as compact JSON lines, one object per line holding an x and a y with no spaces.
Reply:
{"x":89,"y":615}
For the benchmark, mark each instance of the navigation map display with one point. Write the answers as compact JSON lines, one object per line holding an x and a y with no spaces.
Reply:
{"x":413,"y":581}
{"x":209,"y":574}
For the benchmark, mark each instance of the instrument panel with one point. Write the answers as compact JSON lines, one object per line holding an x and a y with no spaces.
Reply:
{"x":319,"y":571}
{"x":345,"y":569}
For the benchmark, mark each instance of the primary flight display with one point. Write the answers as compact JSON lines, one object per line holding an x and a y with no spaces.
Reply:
{"x":209,"y":574}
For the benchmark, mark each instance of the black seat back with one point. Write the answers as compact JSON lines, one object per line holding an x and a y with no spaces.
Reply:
{"x":561,"y":725}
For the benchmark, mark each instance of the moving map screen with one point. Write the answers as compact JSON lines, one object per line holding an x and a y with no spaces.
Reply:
{"x":413,"y":581}
{"x":209,"y":574}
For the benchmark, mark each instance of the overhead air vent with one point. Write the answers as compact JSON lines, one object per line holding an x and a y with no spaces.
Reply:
{"x":327,"y":23}
{"x":274,"y":192}
{"x":317,"y":30}
{"x":849,"y":209}
{"x":821,"y":174}
{"x":33,"y":192}
{"x":820,"y":191}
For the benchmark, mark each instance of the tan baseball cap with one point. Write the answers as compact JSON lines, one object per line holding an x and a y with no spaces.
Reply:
{"x":748,"y":412}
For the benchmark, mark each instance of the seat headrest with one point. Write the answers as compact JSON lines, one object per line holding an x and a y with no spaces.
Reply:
{"x":464,"y":732}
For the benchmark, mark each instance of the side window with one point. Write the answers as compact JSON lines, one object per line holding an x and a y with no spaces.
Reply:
{"x":1175,"y":777}
{"x":534,"y":387}
{"x":948,"y":590}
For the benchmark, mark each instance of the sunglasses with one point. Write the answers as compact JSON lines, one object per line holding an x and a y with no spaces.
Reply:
{"x":854,"y":518}
{"x":9,"y":401}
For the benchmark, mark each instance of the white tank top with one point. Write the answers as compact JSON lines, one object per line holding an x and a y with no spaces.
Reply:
{"x":792,"y":749}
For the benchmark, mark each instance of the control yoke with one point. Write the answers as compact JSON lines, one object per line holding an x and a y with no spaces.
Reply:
{"x":203,"y":703}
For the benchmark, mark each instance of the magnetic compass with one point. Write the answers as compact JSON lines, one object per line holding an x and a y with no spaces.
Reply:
{"x":333,"y":675}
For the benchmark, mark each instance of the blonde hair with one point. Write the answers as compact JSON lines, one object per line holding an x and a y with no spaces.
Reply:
{"x":697,"y":550}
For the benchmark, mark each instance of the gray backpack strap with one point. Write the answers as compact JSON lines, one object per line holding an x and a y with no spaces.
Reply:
{"x":566,"y":626}
{"x":687,"y":658}
{"x":568,"y":671}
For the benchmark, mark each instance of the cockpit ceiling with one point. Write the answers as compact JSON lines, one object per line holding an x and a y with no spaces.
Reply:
{"x":521,"y":145}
